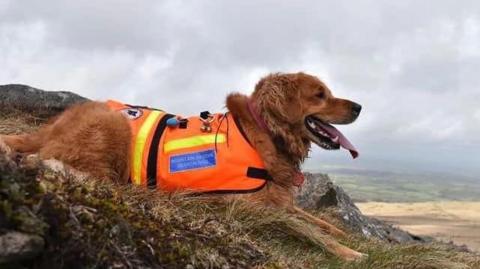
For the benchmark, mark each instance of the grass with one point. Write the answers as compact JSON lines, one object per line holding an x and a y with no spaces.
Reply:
{"x":93,"y":224}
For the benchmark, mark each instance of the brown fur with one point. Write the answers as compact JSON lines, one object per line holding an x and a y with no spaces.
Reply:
{"x":91,"y":138}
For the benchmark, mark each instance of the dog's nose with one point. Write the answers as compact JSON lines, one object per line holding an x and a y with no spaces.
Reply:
{"x":356,"y":108}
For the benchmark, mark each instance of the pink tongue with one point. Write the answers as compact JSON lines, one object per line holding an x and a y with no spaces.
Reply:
{"x":341,"y":139}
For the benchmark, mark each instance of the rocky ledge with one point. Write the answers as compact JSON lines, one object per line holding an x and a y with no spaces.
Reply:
{"x":18,"y":97}
{"x":319,"y":193}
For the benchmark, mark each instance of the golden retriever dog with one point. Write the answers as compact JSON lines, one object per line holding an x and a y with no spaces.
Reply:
{"x":284,"y":114}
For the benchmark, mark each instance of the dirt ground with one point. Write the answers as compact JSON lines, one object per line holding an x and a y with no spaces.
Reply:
{"x":449,"y":221}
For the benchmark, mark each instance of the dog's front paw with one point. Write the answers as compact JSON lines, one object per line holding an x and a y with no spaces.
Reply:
{"x":351,"y":255}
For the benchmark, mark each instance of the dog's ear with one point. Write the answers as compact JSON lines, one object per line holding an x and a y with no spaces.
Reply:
{"x":279,"y":96}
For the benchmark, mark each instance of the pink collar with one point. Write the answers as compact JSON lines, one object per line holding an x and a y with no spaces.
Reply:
{"x":256,"y":116}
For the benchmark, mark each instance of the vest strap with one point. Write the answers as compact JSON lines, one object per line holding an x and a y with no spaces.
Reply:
{"x":258,"y":173}
{"x":153,"y":153}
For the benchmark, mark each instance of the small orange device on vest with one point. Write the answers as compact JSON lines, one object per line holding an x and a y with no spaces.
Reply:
{"x":186,"y":157}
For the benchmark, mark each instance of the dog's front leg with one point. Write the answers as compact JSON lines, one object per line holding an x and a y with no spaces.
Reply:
{"x":311,"y":233}
{"x":342,"y":251}
{"x":331,"y":244}
{"x":329,"y":228}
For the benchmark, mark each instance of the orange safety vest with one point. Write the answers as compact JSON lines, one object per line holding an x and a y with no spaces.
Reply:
{"x":173,"y":158}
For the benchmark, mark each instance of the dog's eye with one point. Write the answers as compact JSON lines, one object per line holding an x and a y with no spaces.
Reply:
{"x":320,"y":95}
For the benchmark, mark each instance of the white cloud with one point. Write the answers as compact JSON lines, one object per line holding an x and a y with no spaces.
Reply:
{"x":412,"y":65}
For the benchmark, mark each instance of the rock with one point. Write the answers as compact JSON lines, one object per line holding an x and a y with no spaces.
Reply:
{"x":16,"y":246}
{"x":319,"y":192}
{"x":41,"y":103}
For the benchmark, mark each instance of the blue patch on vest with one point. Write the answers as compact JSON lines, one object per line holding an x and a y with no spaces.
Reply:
{"x":194,"y":160}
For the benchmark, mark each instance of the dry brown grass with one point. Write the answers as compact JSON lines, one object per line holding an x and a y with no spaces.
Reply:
{"x":16,"y":122}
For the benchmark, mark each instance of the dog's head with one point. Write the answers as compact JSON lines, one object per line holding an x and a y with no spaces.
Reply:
{"x":300,"y":104}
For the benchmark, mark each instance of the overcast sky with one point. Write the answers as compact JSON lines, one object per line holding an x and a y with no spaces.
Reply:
{"x":413,"y":65}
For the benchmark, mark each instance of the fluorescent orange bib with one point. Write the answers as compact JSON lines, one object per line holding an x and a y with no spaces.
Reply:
{"x":186,"y":158}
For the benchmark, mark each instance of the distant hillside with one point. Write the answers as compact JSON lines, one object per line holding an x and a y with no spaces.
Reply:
{"x":386,"y":186}
{"x":447,"y":220}
{"x":18,"y":97}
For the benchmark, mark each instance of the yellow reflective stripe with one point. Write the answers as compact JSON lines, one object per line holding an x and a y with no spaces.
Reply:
{"x":193,"y":141}
{"x":140,"y":142}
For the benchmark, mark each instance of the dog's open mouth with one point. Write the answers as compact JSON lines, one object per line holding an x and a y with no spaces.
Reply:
{"x":323,"y":139}
{"x":327,"y":136}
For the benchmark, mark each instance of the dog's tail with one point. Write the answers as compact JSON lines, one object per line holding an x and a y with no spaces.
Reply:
{"x":24,"y":143}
